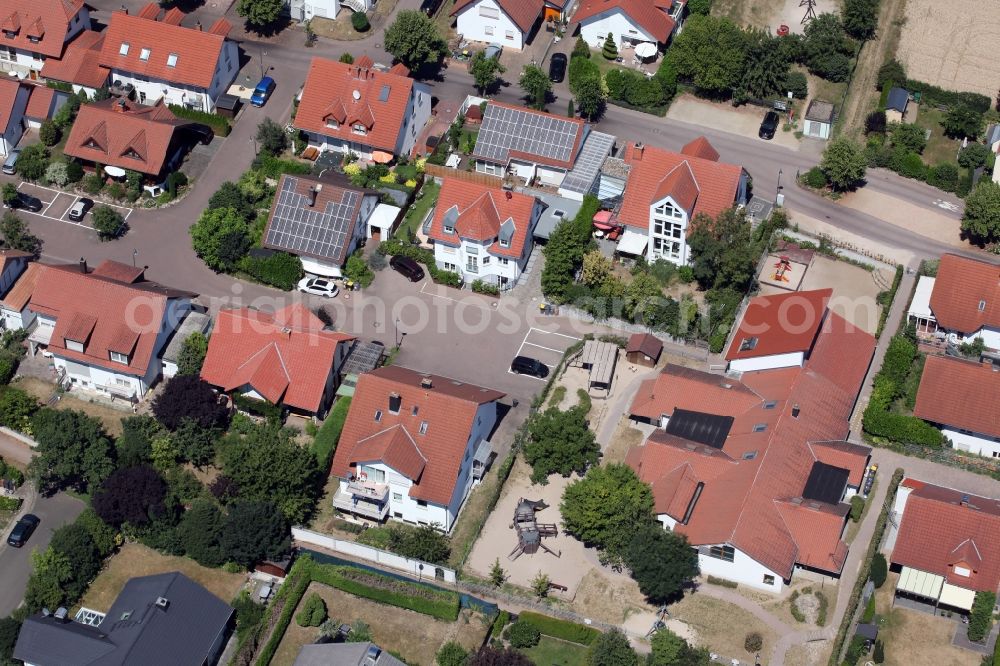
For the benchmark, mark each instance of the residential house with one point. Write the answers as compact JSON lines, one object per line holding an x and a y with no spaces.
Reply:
{"x":361,"y":108}
{"x":13,"y":104}
{"x":302,"y":11}
{"x":948,"y":545}
{"x":510,"y":23}
{"x":345,"y":654}
{"x":323,"y":221}
{"x":662,"y":191}
{"x":286,"y":358}
{"x":412,"y":446}
{"x":778,"y":331}
{"x":195,"y":322}
{"x":483,"y":233}
{"x":105,"y":328}
{"x":160,"y":620}
{"x":162,"y":59}
{"x":895,"y":105}
{"x":755,"y":471}
{"x":960,"y":397}
{"x":629,"y":22}
{"x":119,"y":133}
{"x":818,"y":121}
{"x":961,"y":304}
{"x":80,"y":64}
{"x":541,"y":148}
{"x":36,"y":31}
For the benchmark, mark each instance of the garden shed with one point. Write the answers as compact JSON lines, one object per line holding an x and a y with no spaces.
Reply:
{"x":818,"y":120}
{"x":643,"y":349}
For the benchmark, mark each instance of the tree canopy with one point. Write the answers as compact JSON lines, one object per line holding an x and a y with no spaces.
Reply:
{"x":135,"y":445}
{"x":254,"y":531}
{"x":844,"y":163}
{"x":192,"y":354}
{"x":221,"y":238}
{"x":17,"y":236}
{"x":710,"y":53}
{"x":189,"y":397}
{"x":669,"y":649}
{"x":490,"y":656}
{"x":662,"y":562}
{"x":199,"y":532}
{"x":722,"y":251}
{"x":260,"y":13}
{"x":536,"y":85}
{"x":981,"y":220}
{"x":826,"y":48}
{"x":414,"y":40}
{"x":73,"y":450}
{"x":485,"y":71}
{"x":132,"y":495}
{"x":75,"y":542}
{"x":860,"y":18}
{"x":765,"y":67}
{"x":560,"y":442}
{"x":612,"y":648}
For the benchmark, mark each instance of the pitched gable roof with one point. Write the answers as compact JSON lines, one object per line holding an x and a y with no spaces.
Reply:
{"x":523,"y":13}
{"x":447,"y":407}
{"x":353,"y":94}
{"x":960,"y":393}
{"x":644,"y":13}
{"x":779,"y":324}
{"x":9,"y":90}
{"x":700,"y":147}
{"x":286,"y":357}
{"x":677,"y":387}
{"x":481,"y":213}
{"x":516,"y":132}
{"x":966,"y":294}
{"x":47,"y":21}
{"x":197,"y":51}
{"x":717,"y":182}
{"x":942,"y":528}
{"x":680,"y":185}
{"x":39,"y":102}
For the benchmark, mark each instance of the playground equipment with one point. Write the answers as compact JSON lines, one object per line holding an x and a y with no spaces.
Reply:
{"x":783,"y":266}
{"x":529,"y":531}
{"x":810,"y":6}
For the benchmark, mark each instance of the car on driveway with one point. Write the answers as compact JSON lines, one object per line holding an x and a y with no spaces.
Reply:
{"x":22,"y":530}
{"x":27,"y":202}
{"x":80,"y":209}
{"x":407,"y":267}
{"x":318,"y":287}
{"x":10,"y":164}
{"x":769,"y":125}
{"x":262,"y":92}
{"x":493,"y":51}
{"x":557,"y":67}
{"x":525,"y":365}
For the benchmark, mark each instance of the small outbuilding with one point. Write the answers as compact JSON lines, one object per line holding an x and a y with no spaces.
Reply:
{"x":643,"y":349}
{"x":895,"y":105}
{"x":599,"y":359}
{"x":818,"y":121}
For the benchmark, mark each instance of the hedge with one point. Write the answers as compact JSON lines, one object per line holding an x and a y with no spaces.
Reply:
{"x":290,"y":594}
{"x":981,"y":615}
{"x":245,"y":403}
{"x":561,"y":629}
{"x":280,"y":270}
{"x":10,"y":503}
{"x":422,"y":599}
{"x":325,"y":442}
{"x":272,"y":167}
{"x":940,"y":97}
{"x":218,"y":124}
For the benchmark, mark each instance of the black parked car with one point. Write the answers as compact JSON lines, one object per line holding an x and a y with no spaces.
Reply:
{"x":769,"y":125}
{"x":407,"y":267}
{"x":557,"y":67}
{"x":22,"y":530}
{"x":27,"y":202}
{"x":525,"y":365}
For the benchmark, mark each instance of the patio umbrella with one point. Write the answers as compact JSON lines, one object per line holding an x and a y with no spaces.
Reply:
{"x":645,"y":50}
{"x":114,"y":172}
{"x":381,"y":157}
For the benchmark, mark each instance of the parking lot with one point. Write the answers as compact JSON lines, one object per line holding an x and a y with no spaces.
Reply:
{"x":56,"y":204}
{"x":546,"y":346}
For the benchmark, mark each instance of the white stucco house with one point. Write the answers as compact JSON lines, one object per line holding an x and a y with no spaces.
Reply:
{"x":629,"y":22}
{"x":372,"y":111}
{"x":158,"y":58}
{"x":303,"y":10}
{"x":510,"y":23}
{"x":412,"y":447}
{"x":483,"y":233}
{"x":960,"y":396}
{"x":960,"y":304}
{"x":105,"y":328}
{"x":36,"y":31}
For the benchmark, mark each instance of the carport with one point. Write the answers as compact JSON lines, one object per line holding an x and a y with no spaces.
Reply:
{"x":600,"y":359}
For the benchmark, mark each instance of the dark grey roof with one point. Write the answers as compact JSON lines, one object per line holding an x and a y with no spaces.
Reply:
{"x":363,"y":357}
{"x":345,"y":654}
{"x":532,"y":132}
{"x":898,"y":99}
{"x":507,"y":230}
{"x":992,"y":134}
{"x":136,"y":629}
{"x":194,"y":322}
{"x":826,"y":483}
{"x":709,"y":429}
{"x":820,"y":111}
{"x":867,"y":631}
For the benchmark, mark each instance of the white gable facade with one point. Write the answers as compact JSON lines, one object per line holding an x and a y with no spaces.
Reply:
{"x":486,"y":21}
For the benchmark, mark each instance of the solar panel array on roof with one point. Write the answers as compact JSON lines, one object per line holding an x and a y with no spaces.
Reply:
{"x":504,"y":129}
{"x":298,"y":228}
{"x":826,"y":483}
{"x":708,"y":429}
{"x":596,"y":148}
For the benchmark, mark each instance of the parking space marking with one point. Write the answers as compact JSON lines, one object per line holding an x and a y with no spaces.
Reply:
{"x":542,"y":330}
{"x":126,"y":212}
{"x":525,"y":343}
{"x":532,"y":344}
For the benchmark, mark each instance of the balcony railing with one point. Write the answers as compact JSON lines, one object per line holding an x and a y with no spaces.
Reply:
{"x":375,"y":492}
{"x":359,"y":506}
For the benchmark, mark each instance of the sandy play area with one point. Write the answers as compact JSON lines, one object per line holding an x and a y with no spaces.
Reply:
{"x":945,"y":44}
{"x":769,"y":14}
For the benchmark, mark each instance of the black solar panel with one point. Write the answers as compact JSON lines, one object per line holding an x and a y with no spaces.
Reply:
{"x":504,"y":130}
{"x":826,"y":483}
{"x":301,"y":229}
{"x":708,"y":429}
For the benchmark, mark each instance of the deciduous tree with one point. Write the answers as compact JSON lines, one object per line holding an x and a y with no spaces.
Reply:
{"x":560,"y":442}
{"x":485,"y":71}
{"x":221,"y":238}
{"x":189,"y":397}
{"x":981,"y":220}
{"x":199,"y":532}
{"x":452,"y":654}
{"x":50,"y":571}
{"x":135,"y":445}
{"x":192,"y":354}
{"x":662,"y":562}
{"x":612,"y":648}
{"x":844,"y":163}
{"x":490,"y":656}
{"x":133,"y":495}
{"x":75,"y":542}
{"x":710,"y":53}
{"x":860,"y":18}
{"x":260,"y":13}
{"x":16,"y":234}
{"x":536,"y":85}
{"x":252,"y":532}
{"x":962,"y":121}
{"x":73,"y":450}
{"x":272,"y":137}
{"x":765,"y":68}
{"x":108,"y":222}
{"x":827,"y":49}
{"x":414,"y":40}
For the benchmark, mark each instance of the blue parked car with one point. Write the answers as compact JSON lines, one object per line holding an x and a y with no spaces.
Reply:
{"x":262,"y":92}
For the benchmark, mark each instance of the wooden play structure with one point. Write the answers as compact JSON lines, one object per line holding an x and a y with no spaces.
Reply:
{"x":783,"y":265}
{"x":529,"y":531}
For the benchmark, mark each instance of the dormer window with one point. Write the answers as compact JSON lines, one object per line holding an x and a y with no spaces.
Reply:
{"x":449,"y":228}
{"x":504,"y":242}
{"x":118,"y":357}
{"x":962,"y":571}
{"x":131,"y":153}
{"x":73,"y":345}
{"x":748,"y":344}
{"x":172,"y":60}
{"x":760,"y":427}
{"x":123,"y":49}
{"x":358,"y":128}
{"x":144,"y":55}
{"x":9,"y":34}
{"x":332,"y":123}
{"x":33,"y":39}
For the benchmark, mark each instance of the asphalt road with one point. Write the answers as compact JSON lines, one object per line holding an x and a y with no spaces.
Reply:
{"x":15,"y":563}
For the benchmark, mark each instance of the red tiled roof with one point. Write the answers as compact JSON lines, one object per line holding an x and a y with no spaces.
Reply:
{"x":286,"y":357}
{"x":644,"y":343}
{"x":197,"y":51}
{"x":779,"y":324}
{"x":8,"y":98}
{"x":680,"y":185}
{"x":961,"y":394}
{"x":80,"y":62}
{"x":131,"y":137}
{"x":751,"y":495}
{"x":717,"y":183}
{"x":961,"y":286}
{"x":523,"y":13}
{"x":482,"y":210}
{"x":448,"y":407}
{"x":395,"y":447}
{"x":19,"y":295}
{"x":46,"y":20}
{"x":643,"y":13}
{"x":938,"y":532}
{"x":94,"y":310}
{"x":39,"y":102}
{"x":351,"y":94}
{"x":700,"y":147}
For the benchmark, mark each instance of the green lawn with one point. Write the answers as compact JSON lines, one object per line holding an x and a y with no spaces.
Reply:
{"x":820,"y":88}
{"x":554,"y":652}
{"x":418,"y":211}
{"x":939,"y":147}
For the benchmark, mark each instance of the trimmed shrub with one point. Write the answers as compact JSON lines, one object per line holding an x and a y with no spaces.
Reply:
{"x":49,"y":133}
{"x":108,"y":222}
{"x":312,"y":613}
{"x":218,"y":124}
{"x":359,"y":21}
{"x":879,"y":570}
{"x":522,"y":635}
{"x":981,"y":615}
{"x":610,"y":48}
{"x":869,"y":613}
{"x":561,"y":629}
{"x":875,"y":123}
{"x":944,"y":176}
{"x":281,"y":270}
{"x":481,"y":287}
{"x":797,"y":84}
{"x":753,"y":642}
{"x":934,"y":96}
{"x":272,"y":167}
{"x":857,"y":507}
{"x":325,"y":442}
{"x":815,"y":178}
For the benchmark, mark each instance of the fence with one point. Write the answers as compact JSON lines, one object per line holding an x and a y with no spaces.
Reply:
{"x":19,"y":436}
{"x":475,"y":177}
{"x":384,"y":558}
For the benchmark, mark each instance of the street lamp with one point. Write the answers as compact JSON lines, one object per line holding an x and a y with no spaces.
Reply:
{"x":135,"y":252}
{"x":254,"y":142}
{"x":262,"y":54}
{"x":778,"y":190}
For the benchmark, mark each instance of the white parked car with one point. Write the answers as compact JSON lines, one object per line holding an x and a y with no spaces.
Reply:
{"x":318,"y":287}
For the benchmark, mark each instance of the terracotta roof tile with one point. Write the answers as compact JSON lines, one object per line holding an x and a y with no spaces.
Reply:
{"x":350,"y":94}
{"x":523,"y":13}
{"x":700,"y":147}
{"x":644,"y":13}
{"x":779,"y":324}
{"x":39,"y":102}
{"x":961,"y":287}
{"x":481,"y":211}
{"x":961,"y":394}
{"x":286,"y":357}
{"x":395,"y":447}
{"x":47,"y":20}
{"x":197,"y":51}
{"x":938,"y":532}
{"x":852,"y":457}
{"x":677,"y":387}
{"x":20,"y":293}
{"x":680,"y":185}
{"x":717,"y":183}
{"x":448,"y":407}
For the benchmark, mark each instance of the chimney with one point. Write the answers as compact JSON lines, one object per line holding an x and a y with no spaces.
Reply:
{"x":312,"y":196}
{"x":83,"y":265}
{"x":395,"y":401}
{"x":795,"y":411}
{"x":197,"y":26}
{"x":124,"y":9}
{"x":162,"y":602}
{"x":637,"y":151}
{"x":425,"y":382}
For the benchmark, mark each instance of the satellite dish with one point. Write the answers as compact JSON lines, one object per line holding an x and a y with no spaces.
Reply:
{"x":356,"y":95}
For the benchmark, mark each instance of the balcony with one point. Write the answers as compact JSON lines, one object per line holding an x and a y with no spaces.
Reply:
{"x":360,"y":505}
{"x":366,"y":490}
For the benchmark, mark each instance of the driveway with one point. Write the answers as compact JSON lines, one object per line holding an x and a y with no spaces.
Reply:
{"x":15,"y":563}
{"x":56,"y":205}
